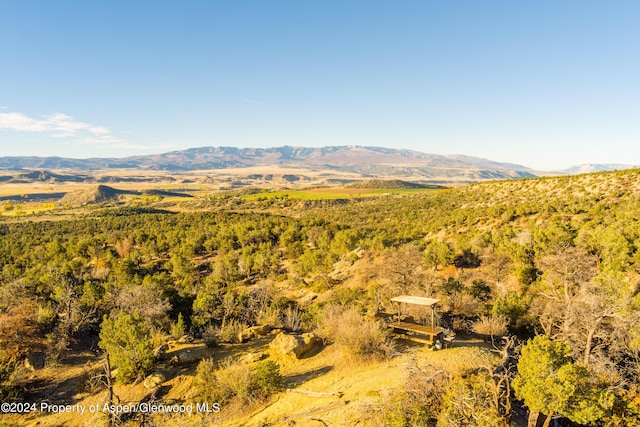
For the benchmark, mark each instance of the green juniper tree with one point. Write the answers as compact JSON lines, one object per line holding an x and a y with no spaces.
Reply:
{"x":127,"y":342}
{"x":550,"y":383}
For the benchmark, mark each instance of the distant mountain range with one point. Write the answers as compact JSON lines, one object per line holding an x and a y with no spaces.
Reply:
{"x":369,"y":162}
{"x":595,"y":167}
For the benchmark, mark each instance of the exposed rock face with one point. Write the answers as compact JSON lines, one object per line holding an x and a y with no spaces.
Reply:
{"x":294,"y":345}
{"x":253,"y":333}
{"x":154,"y":380}
{"x":185,"y":358}
{"x":160,"y":352}
{"x":185,"y":339}
{"x":252,"y":357}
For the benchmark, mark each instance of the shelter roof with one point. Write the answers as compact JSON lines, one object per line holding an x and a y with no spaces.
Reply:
{"x":410,"y":299}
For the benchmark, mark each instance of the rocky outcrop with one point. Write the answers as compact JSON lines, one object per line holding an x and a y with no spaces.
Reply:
{"x":252,"y":357}
{"x":160,"y":352}
{"x":154,"y":380}
{"x":294,"y":345}
{"x":253,"y":333}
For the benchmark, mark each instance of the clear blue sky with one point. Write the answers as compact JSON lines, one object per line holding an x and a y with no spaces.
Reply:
{"x":547,"y":84}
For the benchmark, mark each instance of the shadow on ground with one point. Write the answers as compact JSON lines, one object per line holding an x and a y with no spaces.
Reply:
{"x":296,"y":380}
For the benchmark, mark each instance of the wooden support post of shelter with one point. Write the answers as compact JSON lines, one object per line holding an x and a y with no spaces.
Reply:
{"x":410,"y":299}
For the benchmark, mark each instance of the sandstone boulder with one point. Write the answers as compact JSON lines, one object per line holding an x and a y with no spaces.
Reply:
{"x":253,"y":333}
{"x":154,"y":380}
{"x":252,"y":357}
{"x":185,"y":358}
{"x":294,"y":345}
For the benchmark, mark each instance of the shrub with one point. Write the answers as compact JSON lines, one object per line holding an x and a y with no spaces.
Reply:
{"x":363,"y":337}
{"x":210,"y":336}
{"x":178,"y":329}
{"x":527,"y":274}
{"x":234,"y":380}
{"x":230,"y":331}
{"x":220,"y":384}
{"x":158,"y":337}
{"x":467,"y":306}
{"x":419,"y":403}
{"x":271,"y":316}
{"x":7,"y":367}
{"x":347,"y":296}
{"x":46,"y":317}
{"x":291,"y":319}
{"x":57,"y":344}
{"x":469,"y":401}
{"x":268,"y":378}
{"x":480,"y":290}
{"x":93,"y":381}
{"x":515,"y":308}
{"x":18,"y":331}
{"x":491,"y":326}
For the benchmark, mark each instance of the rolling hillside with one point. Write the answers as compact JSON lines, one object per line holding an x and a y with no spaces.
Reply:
{"x":553,"y":258}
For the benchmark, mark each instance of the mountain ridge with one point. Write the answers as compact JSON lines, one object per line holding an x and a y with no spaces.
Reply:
{"x":368,"y":161}
{"x":211,"y":157}
{"x":595,"y":167}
